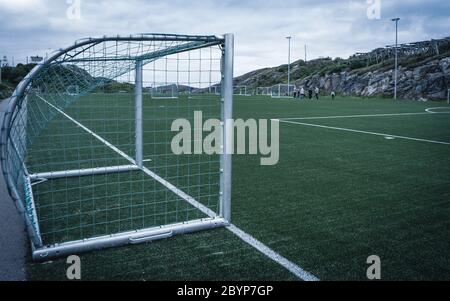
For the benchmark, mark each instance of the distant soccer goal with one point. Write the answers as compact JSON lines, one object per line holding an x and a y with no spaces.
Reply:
{"x":214,"y":90}
{"x":241,"y":91}
{"x":73,"y":90}
{"x":265,"y":91}
{"x":282,"y":91}
{"x":87,"y":143}
{"x":165,"y":92}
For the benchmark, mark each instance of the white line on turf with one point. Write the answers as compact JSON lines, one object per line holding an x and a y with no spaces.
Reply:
{"x":432,"y":110}
{"x":361,"y":116}
{"x":363,"y":132}
{"x":290,"y":266}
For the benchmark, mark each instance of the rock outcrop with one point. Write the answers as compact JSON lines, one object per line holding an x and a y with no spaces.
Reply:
{"x":428,"y":81}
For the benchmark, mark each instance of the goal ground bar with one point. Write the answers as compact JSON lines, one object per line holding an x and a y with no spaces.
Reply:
{"x":82,"y":172}
{"x":126,"y":238}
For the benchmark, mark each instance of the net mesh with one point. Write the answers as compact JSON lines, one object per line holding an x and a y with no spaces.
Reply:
{"x":77,"y":116}
{"x":282,"y":91}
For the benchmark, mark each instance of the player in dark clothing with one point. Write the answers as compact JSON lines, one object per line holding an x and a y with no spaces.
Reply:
{"x":310,"y":93}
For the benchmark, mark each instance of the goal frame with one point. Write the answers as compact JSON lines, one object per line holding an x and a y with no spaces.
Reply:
{"x":277,"y":90}
{"x":174,"y":92}
{"x":241,"y":88}
{"x":22,"y":195}
{"x":267,"y":91}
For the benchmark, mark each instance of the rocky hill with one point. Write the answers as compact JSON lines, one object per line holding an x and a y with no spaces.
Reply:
{"x":423,"y":75}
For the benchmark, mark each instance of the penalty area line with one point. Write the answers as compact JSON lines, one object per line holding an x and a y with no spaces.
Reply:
{"x":363,"y":132}
{"x":367,"y":115}
{"x":288,"y":265}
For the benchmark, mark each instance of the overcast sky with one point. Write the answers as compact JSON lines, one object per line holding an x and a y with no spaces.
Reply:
{"x":330,"y":28}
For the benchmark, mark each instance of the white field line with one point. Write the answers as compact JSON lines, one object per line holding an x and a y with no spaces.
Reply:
{"x":432,"y":110}
{"x":362,"y":116}
{"x":290,"y":266}
{"x":364,"y":132}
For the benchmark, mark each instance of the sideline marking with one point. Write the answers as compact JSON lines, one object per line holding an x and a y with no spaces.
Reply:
{"x":431,"y":110}
{"x":290,"y":266}
{"x":369,"y":115}
{"x":262,"y":248}
{"x":364,"y":132}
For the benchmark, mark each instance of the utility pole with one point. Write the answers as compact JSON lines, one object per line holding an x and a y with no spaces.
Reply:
{"x":289,"y":64}
{"x":396,"y":56}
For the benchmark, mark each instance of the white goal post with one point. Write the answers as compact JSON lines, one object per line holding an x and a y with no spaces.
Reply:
{"x":265,"y":91}
{"x":282,"y":91}
{"x":168,"y":91}
{"x":95,"y":169}
{"x":241,"y":91}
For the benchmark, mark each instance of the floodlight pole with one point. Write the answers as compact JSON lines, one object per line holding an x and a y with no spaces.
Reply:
{"x":305,"y":53}
{"x":396,"y":56}
{"x":289,"y":63}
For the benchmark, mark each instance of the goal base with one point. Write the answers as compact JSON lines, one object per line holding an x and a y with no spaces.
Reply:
{"x":126,"y":238}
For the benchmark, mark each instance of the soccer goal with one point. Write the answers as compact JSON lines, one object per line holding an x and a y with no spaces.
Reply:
{"x":241,"y":91}
{"x":98,"y":170}
{"x":214,"y":90}
{"x":265,"y":91}
{"x":164,"y":91}
{"x":73,"y":90}
{"x":282,"y":91}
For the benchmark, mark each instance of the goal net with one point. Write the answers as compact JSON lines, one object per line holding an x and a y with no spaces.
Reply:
{"x":73,"y":90}
{"x":164,"y":91}
{"x":282,"y":91}
{"x":241,"y":91}
{"x":87,"y":142}
{"x":265,"y":91}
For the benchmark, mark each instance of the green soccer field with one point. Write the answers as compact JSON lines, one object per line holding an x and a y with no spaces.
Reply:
{"x":371,"y":178}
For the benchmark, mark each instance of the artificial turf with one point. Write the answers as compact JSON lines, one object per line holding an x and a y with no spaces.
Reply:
{"x":334,"y":198}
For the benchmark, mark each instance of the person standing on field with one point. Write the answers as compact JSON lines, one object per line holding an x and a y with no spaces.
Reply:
{"x":333,"y":95}
{"x":302,"y":93}
{"x":316,"y":92}
{"x":310,"y":93}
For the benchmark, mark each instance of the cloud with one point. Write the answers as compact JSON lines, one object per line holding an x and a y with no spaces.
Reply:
{"x":329,"y":28}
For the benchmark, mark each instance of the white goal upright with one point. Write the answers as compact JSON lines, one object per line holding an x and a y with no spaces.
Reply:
{"x":241,"y":91}
{"x":282,"y":91}
{"x":265,"y":91}
{"x":169,"y":91}
{"x":86,"y":150}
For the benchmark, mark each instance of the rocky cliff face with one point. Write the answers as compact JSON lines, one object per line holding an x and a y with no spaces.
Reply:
{"x":428,"y":81}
